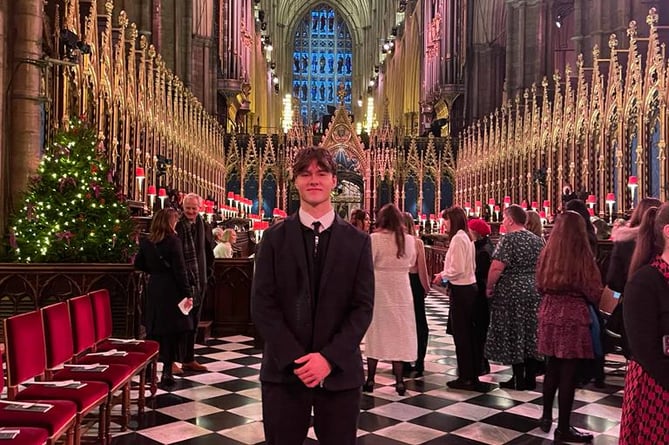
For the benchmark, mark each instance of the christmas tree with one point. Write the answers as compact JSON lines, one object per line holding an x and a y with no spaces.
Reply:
{"x":72,"y":212}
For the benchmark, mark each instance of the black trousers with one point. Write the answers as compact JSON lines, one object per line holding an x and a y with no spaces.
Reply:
{"x":286,"y":410}
{"x":463,"y":302}
{"x":481,"y":323}
{"x":422,"y":330}
{"x":189,"y":347}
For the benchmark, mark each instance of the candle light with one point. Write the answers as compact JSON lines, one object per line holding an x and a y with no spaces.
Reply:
{"x":610,"y":200}
{"x":591,"y":201}
{"x":507,"y":201}
{"x":468,"y":206}
{"x":162,"y":195}
{"x":632,"y":184}
{"x":478,"y":205}
{"x":139,"y":175}
{"x":151,"y":191}
{"x":547,"y":206}
{"x":535,"y":205}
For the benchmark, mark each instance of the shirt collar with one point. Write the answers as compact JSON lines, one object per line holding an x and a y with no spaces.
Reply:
{"x":325,"y":220}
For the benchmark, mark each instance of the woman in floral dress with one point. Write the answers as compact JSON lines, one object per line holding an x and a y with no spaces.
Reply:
{"x":514,"y":300}
{"x":645,"y":417}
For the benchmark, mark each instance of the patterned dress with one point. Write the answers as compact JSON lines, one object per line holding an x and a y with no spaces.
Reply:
{"x":645,"y":417}
{"x":512,"y":336}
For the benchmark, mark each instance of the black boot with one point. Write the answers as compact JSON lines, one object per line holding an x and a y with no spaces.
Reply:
{"x":530,"y":381}
{"x":167,"y":379}
{"x":518,"y":380}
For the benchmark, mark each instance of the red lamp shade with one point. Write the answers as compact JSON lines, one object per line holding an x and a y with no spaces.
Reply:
{"x":151,"y":191}
{"x":162,"y":193}
{"x":592,"y":199}
{"x":139,"y":172}
{"x":496,"y":208}
{"x":231,"y":195}
{"x":632,"y":181}
{"x":523,"y":204}
{"x":610,"y":197}
{"x":535,"y":204}
{"x":468,"y":205}
{"x":433,"y":216}
{"x":478,"y":203}
{"x":491,"y":201}
{"x":507,"y":200}
{"x":547,"y":203}
{"x":542,"y":214}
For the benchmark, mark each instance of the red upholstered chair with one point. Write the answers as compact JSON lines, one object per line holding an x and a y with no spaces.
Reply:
{"x":26,"y":436}
{"x":59,"y":354}
{"x":25,"y":363}
{"x":83,"y":330}
{"x":60,"y":421}
{"x":102,"y":314}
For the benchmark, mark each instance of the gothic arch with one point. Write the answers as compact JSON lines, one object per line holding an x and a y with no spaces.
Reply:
{"x":340,"y":134}
{"x":355,"y":13}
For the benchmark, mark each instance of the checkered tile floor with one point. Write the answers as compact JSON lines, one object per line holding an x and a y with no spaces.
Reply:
{"x":222,"y":406}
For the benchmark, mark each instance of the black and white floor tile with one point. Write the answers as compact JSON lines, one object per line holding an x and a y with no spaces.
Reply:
{"x":223,"y":406}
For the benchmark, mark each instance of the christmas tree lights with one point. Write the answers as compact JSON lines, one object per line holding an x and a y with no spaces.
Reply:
{"x":71,"y":212}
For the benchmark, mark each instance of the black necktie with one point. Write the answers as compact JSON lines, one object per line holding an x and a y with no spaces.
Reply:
{"x":317,"y":229}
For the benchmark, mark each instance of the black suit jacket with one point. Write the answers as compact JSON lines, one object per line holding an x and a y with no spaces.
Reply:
{"x":282,"y":304}
{"x":646,"y":315}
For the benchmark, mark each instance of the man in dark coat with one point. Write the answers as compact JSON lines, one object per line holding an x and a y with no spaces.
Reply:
{"x":312,"y":299}
{"x":197,"y":243}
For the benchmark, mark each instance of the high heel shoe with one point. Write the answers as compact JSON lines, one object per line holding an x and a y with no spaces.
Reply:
{"x":368,"y":386}
{"x":400,"y":388}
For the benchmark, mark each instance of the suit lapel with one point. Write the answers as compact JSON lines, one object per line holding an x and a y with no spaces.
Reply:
{"x":296,"y":243}
{"x":333,"y":252}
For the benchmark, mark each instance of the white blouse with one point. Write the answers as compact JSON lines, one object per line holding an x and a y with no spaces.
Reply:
{"x":460,"y":261}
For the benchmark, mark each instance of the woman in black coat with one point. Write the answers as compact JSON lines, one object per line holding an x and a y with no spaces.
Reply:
{"x":161,"y":256}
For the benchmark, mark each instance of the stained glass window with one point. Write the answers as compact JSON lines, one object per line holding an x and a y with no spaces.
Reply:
{"x":322,"y":61}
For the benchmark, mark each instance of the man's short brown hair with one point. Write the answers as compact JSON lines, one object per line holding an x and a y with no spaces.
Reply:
{"x":308,"y":155}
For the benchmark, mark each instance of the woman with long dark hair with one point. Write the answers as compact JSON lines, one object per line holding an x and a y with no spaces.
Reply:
{"x":624,"y":240}
{"x":459,"y":266}
{"x":161,"y":256}
{"x":360,"y":219}
{"x":392,"y":333}
{"x":568,"y":281}
{"x":645,"y":417}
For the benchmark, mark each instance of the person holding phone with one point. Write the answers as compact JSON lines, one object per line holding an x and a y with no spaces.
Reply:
{"x":160,"y":255}
{"x":645,"y":411}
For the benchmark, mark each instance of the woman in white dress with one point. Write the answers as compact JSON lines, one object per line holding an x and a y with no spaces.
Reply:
{"x":392,"y":333}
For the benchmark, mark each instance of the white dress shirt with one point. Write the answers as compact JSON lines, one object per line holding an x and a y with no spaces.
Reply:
{"x":460,"y":261}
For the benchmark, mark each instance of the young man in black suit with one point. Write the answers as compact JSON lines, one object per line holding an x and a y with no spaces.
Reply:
{"x":312,"y":300}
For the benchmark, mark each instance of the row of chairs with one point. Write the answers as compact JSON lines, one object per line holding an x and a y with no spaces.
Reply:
{"x":72,"y":370}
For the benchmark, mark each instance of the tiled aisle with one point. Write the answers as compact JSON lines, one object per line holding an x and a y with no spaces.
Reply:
{"x":222,"y":407}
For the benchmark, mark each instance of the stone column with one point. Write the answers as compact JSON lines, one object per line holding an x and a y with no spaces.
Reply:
{"x":4,"y":209}
{"x":25,"y":131}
